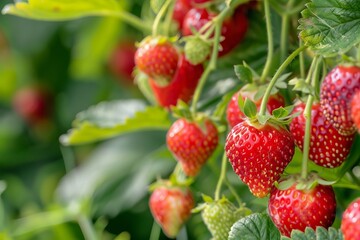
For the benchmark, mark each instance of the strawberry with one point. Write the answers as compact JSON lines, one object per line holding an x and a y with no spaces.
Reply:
{"x":234,"y":114}
{"x":233,"y":29}
{"x":32,"y":104}
{"x":171,"y":207}
{"x":180,"y":10}
{"x":297,"y":209}
{"x":336,"y":92}
{"x":182,"y":86}
{"x":355,"y":110}
{"x":350,"y":224}
{"x":328,"y":148}
{"x":259,"y":154}
{"x":192,"y":143}
{"x":158,"y":58}
{"x":219,"y":216}
{"x":121,"y":62}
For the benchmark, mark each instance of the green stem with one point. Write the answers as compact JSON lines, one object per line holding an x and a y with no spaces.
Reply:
{"x":161,"y":13}
{"x":285,"y":32}
{"x":39,"y":221}
{"x":132,"y":20}
{"x":307,"y":136}
{"x":221,"y":177}
{"x":87,"y":228}
{"x":276,"y":77}
{"x":302,"y":61}
{"x":233,"y":192}
{"x":168,"y":19}
{"x":311,"y":70}
{"x":217,"y":21}
{"x":155,"y":231}
{"x":314,"y":76}
{"x":269,"y":58}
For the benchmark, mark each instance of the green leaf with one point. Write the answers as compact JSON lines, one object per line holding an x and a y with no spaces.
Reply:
{"x":320,"y":234}
{"x":257,"y":226}
{"x":250,"y":109}
{"x":60,"y":10}
{"x":280,"y":112}
{"x":118,"y":172}
{"x":243,"y":73}
{"x":110,"y":119}
{"x":331,"y":27}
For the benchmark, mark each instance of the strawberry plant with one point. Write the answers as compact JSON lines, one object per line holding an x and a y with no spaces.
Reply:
{"x":240,"y":119}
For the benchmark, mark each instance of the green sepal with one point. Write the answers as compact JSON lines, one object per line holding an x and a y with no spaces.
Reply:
{"x":207,"y":198}
{"x":301,"y":86}
{"x":182,"y":110}
{"x":250,"y":109}
{"x":243,"y":73}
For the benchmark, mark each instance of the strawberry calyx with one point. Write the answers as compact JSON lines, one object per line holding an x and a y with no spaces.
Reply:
{"x":182,"y":110}
{"x":308,"y":183}
{"x":172,"y":182}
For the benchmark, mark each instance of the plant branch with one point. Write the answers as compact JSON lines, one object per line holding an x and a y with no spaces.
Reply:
{"x":133,"y":20}
{"x":221,"y":177}
{"x":313,"y":75}
{"x":269,"y":58}
{"x":276,"y":77}
{"x":87,"y":227}
{"x":161,"y":13}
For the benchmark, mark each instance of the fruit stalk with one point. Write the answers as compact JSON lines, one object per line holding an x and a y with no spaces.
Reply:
{"x":87,"y":228}
{"x":269,"y":58}
{"x":218,"y":20}
{"x":133,"y":21}
{"x":313,"y":76}
{"x":285,"y":31}
{"x":160,"y":14}
{"x":221,"y":177}
{"x":276,"y":77}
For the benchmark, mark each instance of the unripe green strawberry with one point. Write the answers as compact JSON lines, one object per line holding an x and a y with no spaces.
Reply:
{"x":219,"y":216}
{"x":197,"y":50}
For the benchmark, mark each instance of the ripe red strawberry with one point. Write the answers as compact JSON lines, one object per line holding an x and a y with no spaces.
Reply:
{"x":171,"y":207}
{"x":337,"y":90}
{"x":259,"y":154}
{"x":182,"y":86}
{"x":355,"y":110}
{"x":297,"y":209}
{"x":233,"y":29}
{"x":328,"y":148}
{"x":350,"y":224}
{"x":180,"y":10}
{"x":158,"y":58}
{"x":192,"y":143}
{"x":32,"y":104}
{"x":121,"y":62}
{"x":234,"y":114}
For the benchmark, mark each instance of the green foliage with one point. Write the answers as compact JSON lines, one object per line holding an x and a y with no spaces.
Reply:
{"x":257,"y":226}
{"x":320,"y":234}
{"x":111,"y":119}
{"x":63,"y":9}
{"x":331,"y":27}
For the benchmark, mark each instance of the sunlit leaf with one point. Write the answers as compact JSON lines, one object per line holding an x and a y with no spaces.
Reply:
{"x":331,"y":26}
{"x":59,"y":10}
{"x":110,"y":119}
